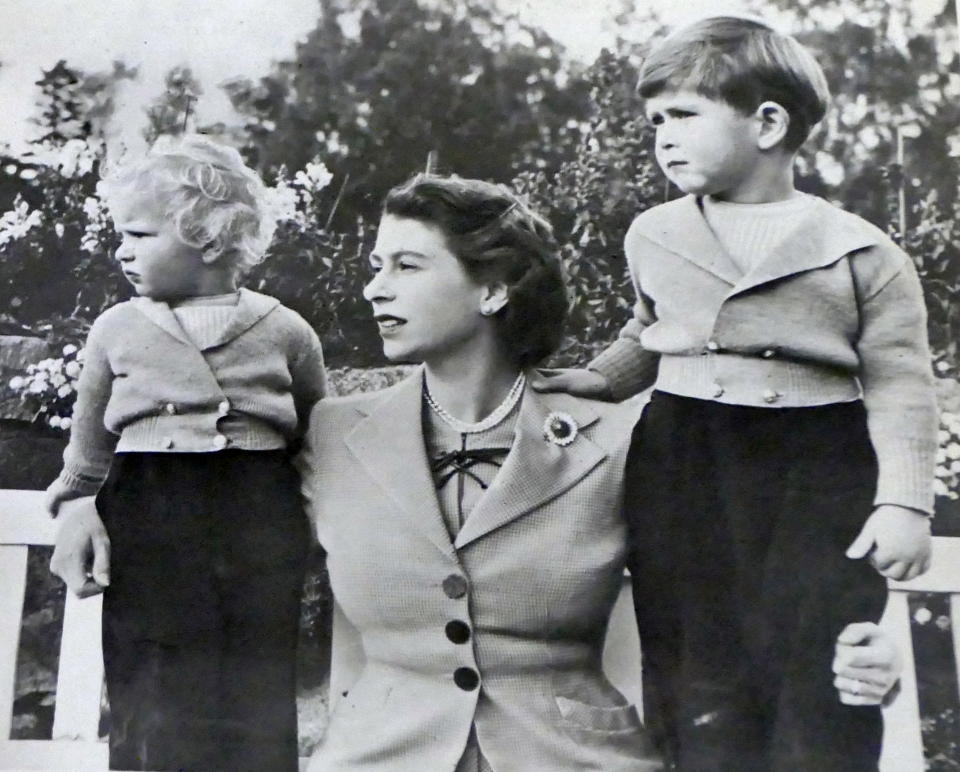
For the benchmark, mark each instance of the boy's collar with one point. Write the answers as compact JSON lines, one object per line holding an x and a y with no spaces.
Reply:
{"x":823,"y":235}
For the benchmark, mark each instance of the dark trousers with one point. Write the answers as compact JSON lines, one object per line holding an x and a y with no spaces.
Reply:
{"x":738,"y":519}
{"x":200,"y":620}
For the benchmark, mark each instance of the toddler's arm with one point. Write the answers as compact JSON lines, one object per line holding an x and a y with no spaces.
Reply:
{"x":308,"y":374}
{"x":89,"y":453}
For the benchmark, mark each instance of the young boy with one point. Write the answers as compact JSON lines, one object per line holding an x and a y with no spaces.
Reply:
{"x":792,"y":427}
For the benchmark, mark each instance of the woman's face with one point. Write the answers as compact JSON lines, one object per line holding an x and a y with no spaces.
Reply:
{"x":424,"y":303}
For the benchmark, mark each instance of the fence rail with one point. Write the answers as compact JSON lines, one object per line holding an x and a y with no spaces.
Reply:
{"x":75,"y":745}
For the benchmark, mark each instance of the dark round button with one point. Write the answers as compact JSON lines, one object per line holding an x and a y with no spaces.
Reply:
{"x":457,"y":631}
{"x":455,"y":586}
{"x":466,"y":678}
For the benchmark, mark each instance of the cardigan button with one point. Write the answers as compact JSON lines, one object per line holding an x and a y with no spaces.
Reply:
{"x":466,"y":678}
{"x":457,"y":631}
{"x":454,"y":586}
{"x":223,"y":408}
{"x":170,"y":409}
{"x":770,"y":396}
{"x":713,"y":346}
{"x":769,"y":353}
{"x":220,"y":442}
{"x":166,"y":442}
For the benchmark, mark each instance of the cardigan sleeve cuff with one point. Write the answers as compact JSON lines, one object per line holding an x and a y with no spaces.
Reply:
{"x":906,"y":474}
{"x":85,"y":483}
{"x":627,"y":367}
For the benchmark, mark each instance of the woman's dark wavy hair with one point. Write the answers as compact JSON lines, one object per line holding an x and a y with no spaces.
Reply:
{"x":496,"y":237}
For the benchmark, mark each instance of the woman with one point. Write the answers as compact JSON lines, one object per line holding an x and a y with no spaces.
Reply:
{"x":473,"y":525}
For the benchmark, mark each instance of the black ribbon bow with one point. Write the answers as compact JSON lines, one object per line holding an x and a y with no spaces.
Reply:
{"x":460,"y":461}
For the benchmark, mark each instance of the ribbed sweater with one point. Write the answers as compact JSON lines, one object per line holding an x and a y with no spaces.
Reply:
{"x":833,"y":313}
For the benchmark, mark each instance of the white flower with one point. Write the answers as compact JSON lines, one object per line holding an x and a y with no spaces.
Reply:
{"x":66,"y":423}
{"x":283,"y":203}
{"x":940,"y":488}
{"x":922,"y":615}
{"x":831,"y":170}
{"x":37,"y":386}
{"x":57,"y":380}
{"x":54,"y":421}
{"x":16,"y":383}
{"x":69,"y":349}
{"x":58,"y":229}
{"x":314,"y":177}
{"x":72,"y":369}
{"x":17,"y":222}
{"x":952,"y":450}
{"x":65,"y":390}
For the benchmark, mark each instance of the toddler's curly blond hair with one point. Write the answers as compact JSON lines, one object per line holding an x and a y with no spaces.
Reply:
{"x":216,"y":202}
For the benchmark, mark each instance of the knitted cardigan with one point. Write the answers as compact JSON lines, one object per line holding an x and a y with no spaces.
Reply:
{"x":834,"y":313}
{"x":145,"y":387}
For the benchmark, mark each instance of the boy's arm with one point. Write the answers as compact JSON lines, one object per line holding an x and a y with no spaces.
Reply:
{"x":625,"y":364}
{"x":89,"y":452}
{"x":897,"y":380}
{"x":902,"y":418}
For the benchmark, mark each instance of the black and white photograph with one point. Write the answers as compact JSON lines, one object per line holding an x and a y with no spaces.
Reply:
{"x":480,"y":386}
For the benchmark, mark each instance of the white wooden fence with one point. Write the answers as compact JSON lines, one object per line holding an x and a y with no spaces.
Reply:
{"x":75,"y":747}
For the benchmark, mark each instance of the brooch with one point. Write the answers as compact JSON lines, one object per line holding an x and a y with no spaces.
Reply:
{"x":560,"y":429}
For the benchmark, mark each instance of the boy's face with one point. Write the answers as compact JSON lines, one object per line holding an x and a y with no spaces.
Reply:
{"x":152,"y":256}
{"x":705,"y":146}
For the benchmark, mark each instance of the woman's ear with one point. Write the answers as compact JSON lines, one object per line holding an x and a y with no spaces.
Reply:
{"x":494,"y":298}
{"x":774,"y":122}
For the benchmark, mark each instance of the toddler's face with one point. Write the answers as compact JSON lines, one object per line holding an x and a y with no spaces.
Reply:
{"x":705,"y":146}
{"x":153,"y":258}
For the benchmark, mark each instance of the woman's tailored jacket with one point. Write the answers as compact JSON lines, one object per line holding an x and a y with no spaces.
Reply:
{"x":503,"y":628}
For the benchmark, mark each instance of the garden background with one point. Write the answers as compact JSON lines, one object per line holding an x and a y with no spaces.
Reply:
{"x":378,"y":89}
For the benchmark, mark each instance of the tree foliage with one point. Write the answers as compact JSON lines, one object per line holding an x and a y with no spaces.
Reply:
{"x":380,"y":84}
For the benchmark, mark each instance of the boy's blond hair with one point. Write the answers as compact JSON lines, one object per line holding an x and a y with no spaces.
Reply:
{"x":215,"y":201}
{"x":743,"y":62}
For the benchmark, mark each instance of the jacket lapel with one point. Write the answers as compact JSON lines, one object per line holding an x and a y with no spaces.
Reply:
{"x":818,"y":241}
{"x":389,"y":444}
{"x":536,"y":470}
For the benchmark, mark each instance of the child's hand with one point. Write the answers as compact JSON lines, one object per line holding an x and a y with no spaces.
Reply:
{"x":580,"y":383}
{"x":81,"y":555}
{"x":56,"y":495}
{"x":897,"y":539}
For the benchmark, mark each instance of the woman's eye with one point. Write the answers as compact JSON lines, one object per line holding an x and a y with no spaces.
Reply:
{"x":656,"y":120}
{"x":405,"y":266}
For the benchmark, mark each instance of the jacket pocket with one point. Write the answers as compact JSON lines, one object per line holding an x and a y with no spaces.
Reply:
{"x":596,"y":718}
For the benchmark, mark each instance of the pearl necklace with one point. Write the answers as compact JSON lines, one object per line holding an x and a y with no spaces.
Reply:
{"x":500,"y":412}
